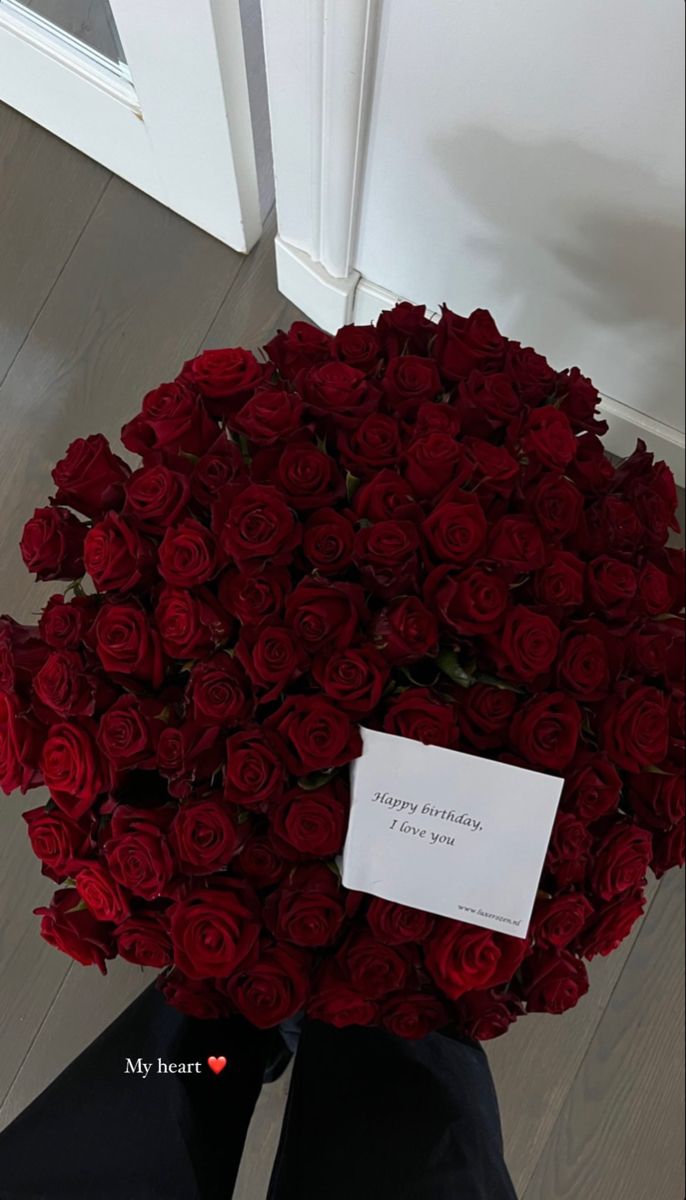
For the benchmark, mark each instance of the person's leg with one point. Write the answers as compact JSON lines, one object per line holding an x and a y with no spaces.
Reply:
{"x":102,"y":1133}
{"x":374,"y":1117}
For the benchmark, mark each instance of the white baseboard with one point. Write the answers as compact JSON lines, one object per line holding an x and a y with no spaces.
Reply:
{"x":307,"y":284}
{"x":334,"y":302}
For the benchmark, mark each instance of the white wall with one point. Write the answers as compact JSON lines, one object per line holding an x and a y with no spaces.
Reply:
{"x":526,"y":157}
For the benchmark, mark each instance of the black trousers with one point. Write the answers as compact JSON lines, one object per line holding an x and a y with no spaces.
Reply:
{"x":369,"y":1117}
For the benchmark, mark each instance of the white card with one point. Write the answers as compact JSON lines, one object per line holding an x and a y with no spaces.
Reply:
{"x":453,"y":834}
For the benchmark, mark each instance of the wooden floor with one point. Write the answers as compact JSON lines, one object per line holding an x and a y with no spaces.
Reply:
{"x":103,"y":294}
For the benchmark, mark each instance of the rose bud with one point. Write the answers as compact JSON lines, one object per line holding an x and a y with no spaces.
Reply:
{"x":311,"y":823}
{"x":59,"y":843}
{"x":273,"y":986}
{"x":302,"y":346}
{"x":254,"y":524}
{"x":417,"y":714}
{"x":173,"y":421}
{"x":199,"y":998}
{"x":254,"y":773}
{"x":635,"y":729}
{"x":328,"y":540}
{"x":205,"y":836}
{"x":413,"y":1014}
{"x":71,"y":928}
{"x":410,"y":381}
{"x":219,"y":692}
{"x":137,"y":851}
{"x":610,"y":925}
{"x":374,"y":968}
{"x":337,"y":1002}
{"x":90,"y":478}
{"x":312,"y":734}
{"x":65,"y":623}
{"x":214,"y":928}
{"x":354,"y":678}
{"x":553,"y":982}
{"x":560,"y":920}
{"x":270,"y":416}
{"x":406,"y":631}
{"x":225,"y":378}
{"x":461,"y":958}
{"x":155,"y":497}
{"x":101,"y":894}
{"x":219,"y":466}
{"x":358,"y":346}
{"x":52,"y":544}
{"x":465,"y":343}
{"x":73,"y":768}
{"x":21,"y":740}
{"x":621,"y":860}
{"x":187,"y":555}
{"x":143,"y":939}
{"x":272,"y":657}
{"x":127,"y":643}
{"x":488,"y":1014}
{"x":190,"y":625}
{"x":307,"y":907}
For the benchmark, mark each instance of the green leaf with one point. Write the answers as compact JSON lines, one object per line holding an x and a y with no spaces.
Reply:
{"x":351,"y":484}
{"x":317,"y":779}
{"x":451,"y":666}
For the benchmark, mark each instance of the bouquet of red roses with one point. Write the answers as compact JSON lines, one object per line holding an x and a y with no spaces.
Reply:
{"x":412,"y":525}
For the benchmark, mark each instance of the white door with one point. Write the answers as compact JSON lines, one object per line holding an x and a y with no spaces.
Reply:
{"x":156,"y":90}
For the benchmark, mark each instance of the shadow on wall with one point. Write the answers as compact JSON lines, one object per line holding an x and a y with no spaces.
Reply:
{"x":604,"y":235}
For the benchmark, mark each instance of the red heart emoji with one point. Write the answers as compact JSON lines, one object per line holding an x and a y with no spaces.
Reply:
{"x":216,"y":1064}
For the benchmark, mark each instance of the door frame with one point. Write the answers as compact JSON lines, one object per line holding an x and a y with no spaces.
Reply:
{"x":180,"y":131}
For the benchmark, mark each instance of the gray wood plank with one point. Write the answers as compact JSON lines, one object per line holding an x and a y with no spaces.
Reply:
{"x":620,"y":1132}
{"x":534,"y":1065}
{"x":134,"y":301}
{"x":262,"y":1141}
{"x":47,"y":193}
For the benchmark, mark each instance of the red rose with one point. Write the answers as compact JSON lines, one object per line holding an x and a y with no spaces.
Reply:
{"x":413,"y":1014}
{"x":610,"y":925}
{"x":155,"y":497}
{"x":260,"y":862}
{"x":90,"y":478}
{"x":270,"y":416}
{"x":580,"y":401}
{"x":219,"y":692}
{"x":462,"y":957}
{"x":621,"y":860}
{"x":669,"y":850}
{"x":199,"y":998}
{"x":328,"y":540}
{"x":204,"y":836}
{"x":658,"y":801}
{"x":612,"y":586}
{"x":323,"y":614}
{"x":554,"y":982}
{"x":358,"y":345}
{"x":273,"y":657}
{"x":548,"y":438}
{"x":354,"y":678}
{"x":556,"y":505}
{"x":635,"y":730}
{"x":546,"y":730}
{"x":386,"y":555}
{"x":560,"y":584}
{"x":52,"y":544}
{"x":254,"y":598}
{"x":387,"y":496}
{"x":188,"y":754}
{"x":374,"y":968}
{"x":59,"y":843}
{"x":488,"y":1014}
{"x":313,"y":823}
{"x":63,"y":685}
{"x":64,"y":623}
{"x":273,"y":986}
{"x":220,"y":465}
{"x":302,"y":346}
{"x":224,"y":377}
{"x":456,"y":532}
{"x":656,"y":591}
{"x":408,"y":382}
{"x":73,"y":769}
{"x":305,"y":475}
{"x":485,"y":714}
{"x":190,"y":626}
{"x":405,"y":328}
{"x":528,"y":643}
{"x":375,"y":443}
{"x":129,"y":731}
{"x":187,"y":555}
{"x":22,"y":655}
{"x":432,"y":461}
{"x":417,"y":714}
{"x":395,"y":924}
{"x":127,"y":644}
{"x":143,"y":939}
{"x":486,"y":403}
{"x":583,"y":667}
{"x":569,"y":851}
{"x":517,"y":543}
{"x":406,"y":631}
{"x":71,"y":928}
{"x":531,"y":374}
{"x":493,"y":467}
{"x":591,"y":470}
{"x":214,"y":928}
{"x":469,"y":602}
{"x":101,"y":894}
{"x":20,"y":745}
{"x":254,"y":524}
{"x":306,"y":908}
{"x":254,"y":773}
{"x":137,"y":851}
{"x":338,"y":1003}
{"x":560,"y":920}
{"x":338,"y":392}
{"x":115,"y":556}
{"x":313,"y":734}
{"x":173,"y":421}
{"x":592,"y":788}
{"x":465,"y":343}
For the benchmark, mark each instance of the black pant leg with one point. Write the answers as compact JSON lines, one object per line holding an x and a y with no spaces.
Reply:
{"x":374,"y":1117}
{"x":98,"y":1133}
